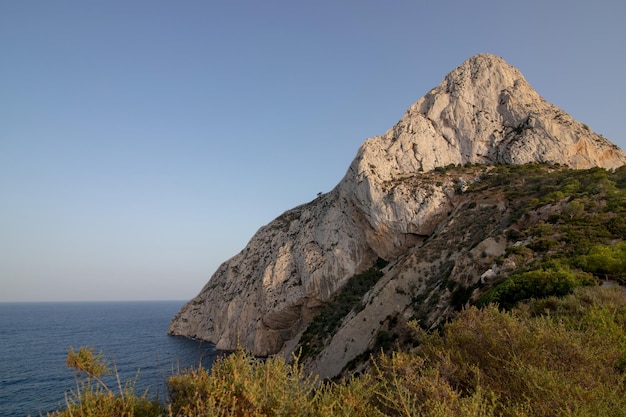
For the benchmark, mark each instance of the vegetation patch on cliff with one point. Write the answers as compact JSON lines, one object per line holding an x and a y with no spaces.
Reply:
{"x":349,"y":298}
{"x":579,"y":239}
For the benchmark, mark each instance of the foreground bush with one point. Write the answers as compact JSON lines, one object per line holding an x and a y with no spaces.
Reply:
{"x":240,"y":385}
{"x":548,"y":357}
{"x":93,"y":398}
{"x":551,"y":357}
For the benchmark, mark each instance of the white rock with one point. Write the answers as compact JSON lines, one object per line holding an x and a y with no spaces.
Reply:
{"x":487,"y":275}
{"x":483,"y":112}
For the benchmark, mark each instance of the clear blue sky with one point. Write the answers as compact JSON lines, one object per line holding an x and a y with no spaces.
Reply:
{"x":142,"y":143}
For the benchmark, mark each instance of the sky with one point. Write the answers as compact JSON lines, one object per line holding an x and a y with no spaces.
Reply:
{"x":143,"y":143}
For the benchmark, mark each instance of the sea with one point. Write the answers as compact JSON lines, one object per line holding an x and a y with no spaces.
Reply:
{"x":132,"y":336}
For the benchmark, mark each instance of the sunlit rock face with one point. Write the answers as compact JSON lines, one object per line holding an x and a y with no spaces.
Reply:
{"x":484,"y":111}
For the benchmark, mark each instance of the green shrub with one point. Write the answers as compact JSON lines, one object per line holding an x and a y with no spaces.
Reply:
{"x":539,"y":283}
{"x":607,"y":260}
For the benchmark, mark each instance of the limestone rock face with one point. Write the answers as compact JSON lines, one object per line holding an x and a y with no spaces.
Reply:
{"x":263,"y":296}
{"x":484,"y":111}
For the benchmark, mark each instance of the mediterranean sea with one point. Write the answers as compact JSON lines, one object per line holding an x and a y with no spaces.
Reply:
{"x":35,"y":339}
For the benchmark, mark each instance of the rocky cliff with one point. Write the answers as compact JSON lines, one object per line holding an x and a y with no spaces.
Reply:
{"x":390,"y":205}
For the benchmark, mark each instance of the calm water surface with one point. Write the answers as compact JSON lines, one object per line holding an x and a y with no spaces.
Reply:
{"x":35,"y":338}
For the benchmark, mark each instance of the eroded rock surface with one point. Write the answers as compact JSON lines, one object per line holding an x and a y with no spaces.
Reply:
{"x":386,"y":206}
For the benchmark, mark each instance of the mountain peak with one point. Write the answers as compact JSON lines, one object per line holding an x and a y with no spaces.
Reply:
{"x":387,"y":205}
{"x":484,"y":111}
{"x":481,"y":72}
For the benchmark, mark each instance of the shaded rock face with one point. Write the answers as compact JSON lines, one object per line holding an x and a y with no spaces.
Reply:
{"x":385,"y":207}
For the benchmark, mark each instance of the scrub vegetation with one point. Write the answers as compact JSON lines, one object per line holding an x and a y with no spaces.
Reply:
{"x":546,"y":339}
{"x":556,"y":356}
{"x":581,"y":241}
{"x":347,"y":299}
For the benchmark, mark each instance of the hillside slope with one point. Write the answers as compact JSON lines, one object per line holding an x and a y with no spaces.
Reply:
{"x":395,"y":204}
{"x":514,"y":232}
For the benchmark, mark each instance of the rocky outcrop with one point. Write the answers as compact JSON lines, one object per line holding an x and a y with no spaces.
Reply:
{"x":385,"y":207}
{"x":485,"y":112}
